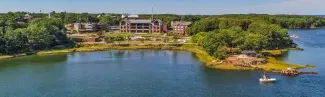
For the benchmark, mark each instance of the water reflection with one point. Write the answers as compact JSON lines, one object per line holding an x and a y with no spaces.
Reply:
{"x":119,"y":55}
{"x":265,"y":84}
{"x":35,"y":60}
{"x":175,"y":57}
{"x":142,"y":54}
{"x":147,"y":72}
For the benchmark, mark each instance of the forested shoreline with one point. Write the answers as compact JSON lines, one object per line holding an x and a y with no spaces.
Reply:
{"x":18,"y":35}
{"x":215,"y":33}
{"x":219,"y":34}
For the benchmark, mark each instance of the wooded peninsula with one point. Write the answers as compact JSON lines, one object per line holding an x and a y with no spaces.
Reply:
{"x":218,"y":35}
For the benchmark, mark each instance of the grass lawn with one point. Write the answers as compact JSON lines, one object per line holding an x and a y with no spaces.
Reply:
{"x":274,"y":64}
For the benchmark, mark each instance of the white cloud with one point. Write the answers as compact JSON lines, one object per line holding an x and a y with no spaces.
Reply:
{"x":288,"y":7}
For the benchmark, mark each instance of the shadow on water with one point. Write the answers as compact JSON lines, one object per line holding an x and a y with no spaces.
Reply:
{"x":230,"y":76}
{"x":263,"y":84}
{"x":34,"y":60}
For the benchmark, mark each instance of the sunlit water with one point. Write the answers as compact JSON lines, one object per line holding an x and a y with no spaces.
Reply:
{"x":156,"y":73}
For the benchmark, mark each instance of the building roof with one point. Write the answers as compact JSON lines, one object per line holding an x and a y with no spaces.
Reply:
{"x":27,"y":16}
{"x":159,"y":21}
{"x":248,"y":52}
{"x":174,"y":23}
{"x":130,"y":16}
{"x":139,"y":21}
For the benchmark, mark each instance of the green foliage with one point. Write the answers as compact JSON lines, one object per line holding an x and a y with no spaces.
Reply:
{"x":247,"y":32}
{"x":255,"y":42}
{"x":252,"y":31}
{"x":105,"y":19}
{"x":109,"y":38}
{"x":38,"y":34}
{"x":215,"y":44}
{"x":221,"y":53}
{"x":16,"y":41}
{"x":260,"y":55}
{"x":204,"y":25}
{"x":212,"y":42}
{"x":120,"y":37}
{"x":198,"y":38}
{"x":244,"y":21}
{"x":169,"y":33}
{"x":2,"y":42}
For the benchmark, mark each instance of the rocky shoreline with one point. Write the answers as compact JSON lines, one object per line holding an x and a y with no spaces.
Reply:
{"x":202,"y":56}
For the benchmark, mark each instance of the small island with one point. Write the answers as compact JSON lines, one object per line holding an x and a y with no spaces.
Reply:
{"x":230,"y":42}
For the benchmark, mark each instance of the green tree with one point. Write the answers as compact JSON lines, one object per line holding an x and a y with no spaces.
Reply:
{"x":109,"y":38}
{"x":255,"y":42}
{"x":16,"y":41}
{"x":120,"y":38}
{"x":212,"y":42}
{"x":2,"y":43}
{"x":38,"y":37}
{"x":106,"y":20}
{"x":198,"y":38}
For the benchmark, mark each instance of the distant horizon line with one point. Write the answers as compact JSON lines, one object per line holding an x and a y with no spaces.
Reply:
{"x":162,"y":13}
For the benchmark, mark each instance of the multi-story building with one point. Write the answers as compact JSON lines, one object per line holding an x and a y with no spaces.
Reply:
{"x":113,"y":28}
{"x":131,"y":17}
{"x":179,"y":27}
{"x":132,"y":24}
{"x":89,"y":27}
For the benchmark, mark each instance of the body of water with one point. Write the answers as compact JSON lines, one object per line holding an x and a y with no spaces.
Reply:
{"x":156,"y":73}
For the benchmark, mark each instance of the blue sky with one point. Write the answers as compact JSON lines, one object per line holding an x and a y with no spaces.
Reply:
{"x":311,"y":7}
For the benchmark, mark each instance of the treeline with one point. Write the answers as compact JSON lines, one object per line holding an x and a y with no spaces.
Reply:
{"x":107,"y":18}
{"x":285,"y":21}
{"x":168,"y":18}
{"x":20,"y":36}
{"x":219,"y":34}
{"x":68,"y":18}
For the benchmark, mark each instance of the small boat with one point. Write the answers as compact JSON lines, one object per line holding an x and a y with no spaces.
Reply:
{"x":266,"y":79}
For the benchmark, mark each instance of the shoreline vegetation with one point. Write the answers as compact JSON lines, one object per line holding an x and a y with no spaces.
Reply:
{"x":272,"y":65}
{"x":213,"y":36}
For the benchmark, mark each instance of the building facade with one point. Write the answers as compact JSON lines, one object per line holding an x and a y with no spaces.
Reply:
{"x":88,"y":27}
{"x":141,"y":26}
{"x":179,"y":27}
{"x":132,"y":24}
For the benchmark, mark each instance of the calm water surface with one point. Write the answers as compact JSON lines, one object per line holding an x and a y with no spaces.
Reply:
{"x":152,"y":73}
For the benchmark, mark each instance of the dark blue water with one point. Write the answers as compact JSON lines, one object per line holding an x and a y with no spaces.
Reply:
{"x":152,"y":73}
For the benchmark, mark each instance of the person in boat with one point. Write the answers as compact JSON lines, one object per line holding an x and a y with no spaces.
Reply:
{"x":264,"y":77}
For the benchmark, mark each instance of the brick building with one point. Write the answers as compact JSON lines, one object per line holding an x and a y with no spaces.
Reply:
{"x":179,"y":27}
{"x":132,"y":24}
{"x":87,"y":27}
